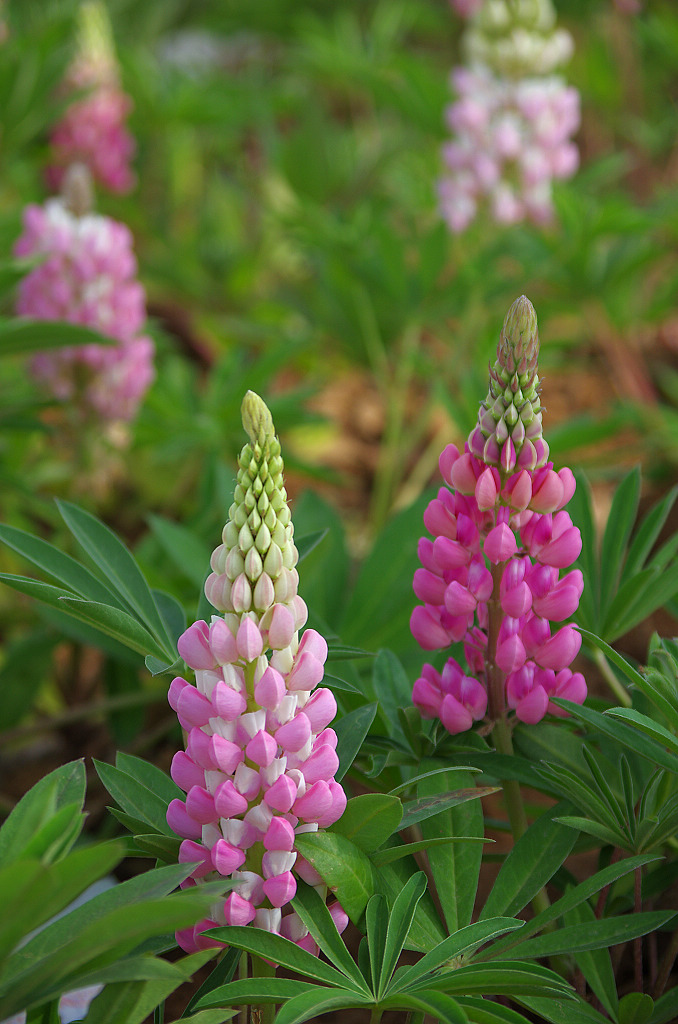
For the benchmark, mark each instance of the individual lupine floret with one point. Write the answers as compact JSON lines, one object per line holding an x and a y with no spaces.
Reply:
{"x":87,"y":276}
{"x":260,"y":757}
{"x":93,"y":128}
{"x":490,"y":576}
{"x":513,"y":118}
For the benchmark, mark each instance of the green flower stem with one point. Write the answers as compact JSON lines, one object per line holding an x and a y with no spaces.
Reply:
{"x":375,"y":1016}
{"x":514,"y":800}
{"x":620,"y":692}
{"x":265,"y":1013}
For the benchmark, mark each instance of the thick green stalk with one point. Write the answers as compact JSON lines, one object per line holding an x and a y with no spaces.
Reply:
{"x":265,"y":1012}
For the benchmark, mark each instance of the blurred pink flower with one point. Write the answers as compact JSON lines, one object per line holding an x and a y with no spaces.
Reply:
{"x":87,"y":276}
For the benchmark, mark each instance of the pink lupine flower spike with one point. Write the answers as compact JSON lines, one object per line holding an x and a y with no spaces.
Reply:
{"x":260,"y":760}
{"x":490,"y":577}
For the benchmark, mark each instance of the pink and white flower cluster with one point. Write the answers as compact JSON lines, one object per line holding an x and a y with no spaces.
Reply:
{"x":87,"y":276}
{"x":490,"y":577}
{"x":513,"y":119}
{"x":512,"y":139}
{"x":260,"y":760}
{"x":92,"y":130}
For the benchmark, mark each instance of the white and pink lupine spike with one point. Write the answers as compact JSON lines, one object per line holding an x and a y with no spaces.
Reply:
{"x":513,"y":119}
{"x":87,"y":276}
{"x":490,"y":576}
{"x":260,"y":760}
{"x":92,"y":130}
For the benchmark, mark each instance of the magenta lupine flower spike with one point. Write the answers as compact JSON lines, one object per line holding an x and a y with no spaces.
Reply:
{"x":93,"y":128}
{"x":490,"y":576}
{"x":87,"y":276}
{"x":260,"y":760}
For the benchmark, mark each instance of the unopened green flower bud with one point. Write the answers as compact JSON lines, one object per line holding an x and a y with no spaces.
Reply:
{"x":511,"y":409}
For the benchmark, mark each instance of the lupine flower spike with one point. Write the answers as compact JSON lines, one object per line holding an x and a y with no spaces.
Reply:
{"x":260,"y":760}
{"x":93,"y":128}
{"x":513,"y":118}
{"x":87,"y":276}
{"x":490,"y":577}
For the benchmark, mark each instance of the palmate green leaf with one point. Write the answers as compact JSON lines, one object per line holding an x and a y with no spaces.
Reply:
{"x":595,"y":964}
{"x":188,"y":552}
{"x":400,"y":921}
{"x":376,"y":922}
{"x":624,"y":734}
{"x":646,"y":725}
{"x":113,"y":622}
{"x":351,"y":730}
{"x":131,"y":1002}
{"x":369,"y":820}
{"x":595,"y":935}
{"x":455,"y":868}
{"x":572,"y":898}
{"x":63,"y":786}
{"x":149,"y":885}
{"x":530,"y":865}
{"x":56,"y":837}
{"x":483,"y":1011}
{"x":118,"y":565}
{"x":391,"y":686}
{"x":507,"y":978}
{"x":281,"y":951}
{"x":61,"y":567}
{"x":162,"y":847}
{"x":314,"y":913}
{"x":665,"y":1008}
{"x":393,"y":853}
{"x":603,"y":833}
{"x":257,"y":991}
{"x":564,"y":1011}
{"x":223,"y":972}
{"x":647,"y":534}
{"x":618,"y":528}
{"x":343,"y":866}
{"x":149,"y":775}
{"x":638,"y":598}
{"x":415,"y":811}
{"x":134,"y":797}
{"x":22,"y":335}
{"x":462,"y":942}
{"x":312,"y":1004}
{"x":617,"y":659}
{"x":441,"y":1007}
{"x":97,"y":945}
{"x":427,"y":930}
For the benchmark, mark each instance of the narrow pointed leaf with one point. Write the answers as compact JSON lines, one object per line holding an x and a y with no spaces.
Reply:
{"x":134,"y":797}
{"x":343,"y":866}
{"x":400,"y":920}
{"x":281,"y":951}
{"x":310,"y":1005}
{"x":117,"y":563}
{"x":248,"y":991}
{"x":113,"y":622}
{"x":419,"y":810}
{"x":529,"y":866}
{"x":441,"y":1007}
{"x":376,"y":920}
{"x":391,"y":853}
{"x":351,"y":730}
{"x":462,"y":942}
{"x":314,"y":913}
{"x":61,"y":567}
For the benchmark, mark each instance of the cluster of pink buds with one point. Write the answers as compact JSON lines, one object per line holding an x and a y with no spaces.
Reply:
{"x":490,"y":578}
{"x":93,"y":128}
{"x":512,"y":122}
{"x":86,"y":276}
{"x":260,"y":760}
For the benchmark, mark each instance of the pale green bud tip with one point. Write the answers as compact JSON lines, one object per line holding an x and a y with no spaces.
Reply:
{"x":256,"y":417}
{"x":519,"y":339}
